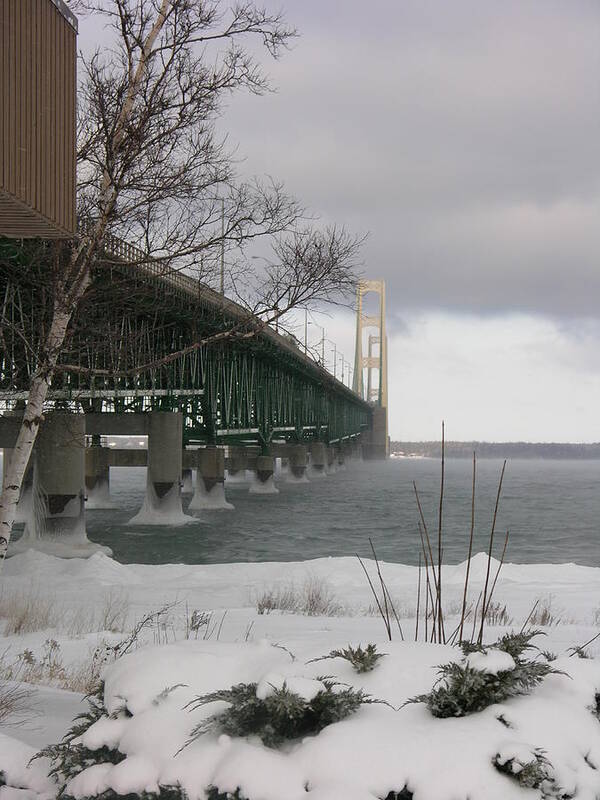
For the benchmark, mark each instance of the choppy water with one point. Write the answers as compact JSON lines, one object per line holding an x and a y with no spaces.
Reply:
{"x":551,"y":508}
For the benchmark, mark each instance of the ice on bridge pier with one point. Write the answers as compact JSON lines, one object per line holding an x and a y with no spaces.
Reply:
{"x":162,"y":503}
{"x":56,"y":522}
{"x":210,"y":481}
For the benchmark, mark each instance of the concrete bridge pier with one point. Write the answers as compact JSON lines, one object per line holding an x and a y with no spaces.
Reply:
{"x":97,"y":476}
{"x":237,"y":463}
{"x":264,"y":483}
{"x":355,"y":451}
{"x":162,"y":504}
{"x":374,"y":442}
{"x":340,"y":456}
{"x":331,"y":460}
{"x":210,"y":481}
{"x":57,"y":522}
{"x":187,"y":481}
{"x":318,"y":459}
{"x":298,"y":461}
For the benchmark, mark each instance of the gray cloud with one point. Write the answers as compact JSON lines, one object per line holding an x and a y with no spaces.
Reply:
{"x":463,"y":135}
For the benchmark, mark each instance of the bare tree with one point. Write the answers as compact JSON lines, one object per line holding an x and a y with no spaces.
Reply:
{"x":153,"y":170}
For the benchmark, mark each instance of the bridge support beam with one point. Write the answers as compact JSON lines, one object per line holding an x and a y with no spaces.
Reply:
{"x":297,"y":463}
{"x":264,"y":482}
{"x":210,"y":481}
{"x":97,"y":476}
{"x":162,"y":504}
{"x":318,"y":459}
{"x":58,"y":524}
{"x":237,"y":464}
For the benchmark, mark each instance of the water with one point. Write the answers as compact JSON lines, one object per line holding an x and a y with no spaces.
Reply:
{"x":551,"y":508}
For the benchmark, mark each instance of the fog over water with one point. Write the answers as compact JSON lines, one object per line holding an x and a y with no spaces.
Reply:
{"x":551,"y":508}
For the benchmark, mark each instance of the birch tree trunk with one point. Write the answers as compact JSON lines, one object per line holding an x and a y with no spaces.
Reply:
{"x":32,"y":418}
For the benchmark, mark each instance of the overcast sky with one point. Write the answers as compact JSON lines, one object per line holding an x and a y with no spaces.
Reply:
{"x":464,"y":137}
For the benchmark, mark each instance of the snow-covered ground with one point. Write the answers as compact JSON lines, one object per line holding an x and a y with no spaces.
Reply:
{"x":212,"y":637}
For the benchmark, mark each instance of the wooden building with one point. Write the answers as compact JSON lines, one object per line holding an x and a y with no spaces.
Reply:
{"x":38,"y":59}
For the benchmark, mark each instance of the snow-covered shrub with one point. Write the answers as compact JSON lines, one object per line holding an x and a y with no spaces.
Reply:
{"x":531,"y":770}
{"x":486,"y":675}
{"x":214,"y":794}
{"x":70,"y":757}
{"x":278,"y":713}
{"x":20,"y":777}
{"x":362,"y":660}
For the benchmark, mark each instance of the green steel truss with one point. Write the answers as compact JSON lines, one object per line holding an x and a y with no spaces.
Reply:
{"x":131,"y":322}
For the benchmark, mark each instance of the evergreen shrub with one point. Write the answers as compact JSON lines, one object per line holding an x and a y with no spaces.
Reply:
{"x":535,"y":773}
{"x":69,"y":758}
{"x":362,"y":660}
{"x":463,"y":689}
{"x":282,"y":715}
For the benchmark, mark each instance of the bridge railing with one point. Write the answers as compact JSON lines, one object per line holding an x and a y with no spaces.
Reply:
{"x":128,"y":253}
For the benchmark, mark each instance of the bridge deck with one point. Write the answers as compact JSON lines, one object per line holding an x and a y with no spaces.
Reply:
{"x":133,"y":346}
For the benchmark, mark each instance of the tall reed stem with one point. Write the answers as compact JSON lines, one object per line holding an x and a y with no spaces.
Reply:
{"x":441,"y":508}
{"x":418,"y":601}
{"x":489,"y":562}
{"x":464,"y":602}
{"x":497,"y":572}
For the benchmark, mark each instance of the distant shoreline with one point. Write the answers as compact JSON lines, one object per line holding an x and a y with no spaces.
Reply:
{"x":549,"y":450}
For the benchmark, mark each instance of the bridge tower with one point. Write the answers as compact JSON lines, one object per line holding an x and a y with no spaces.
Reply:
{"x":375,"y":389}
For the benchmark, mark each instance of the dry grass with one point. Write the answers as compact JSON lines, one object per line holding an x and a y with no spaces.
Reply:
{"x":29,"y":611}
{"x":544,"y":615}
{"x":46,"y":666}
{"x":313,"y":599}
{"x":15,"y":699}
{"x":48,"y":669}
{"x":15,"y":704}
{"x":497,"y":614}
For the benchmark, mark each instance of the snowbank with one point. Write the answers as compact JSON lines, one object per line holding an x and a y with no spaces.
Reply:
{"x":378,"y":750}
{"x":573,"y":590}
{"x":21,"y":778}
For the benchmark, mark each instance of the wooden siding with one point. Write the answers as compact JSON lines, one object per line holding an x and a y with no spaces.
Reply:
{"x":37,"y":119}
